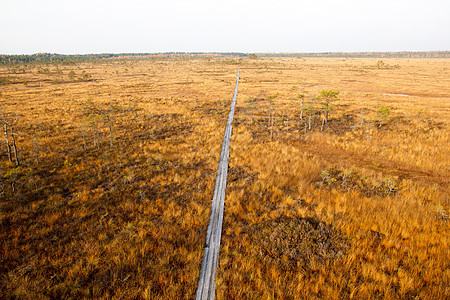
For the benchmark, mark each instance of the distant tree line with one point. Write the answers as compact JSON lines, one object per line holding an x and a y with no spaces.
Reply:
{"x":401,"y":54}
{"x":49,"y":58}
{"x":64,"y":58}
{"x":72,"y":58}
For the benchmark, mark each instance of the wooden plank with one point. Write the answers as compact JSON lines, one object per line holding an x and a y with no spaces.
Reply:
{"x":207,"y":281}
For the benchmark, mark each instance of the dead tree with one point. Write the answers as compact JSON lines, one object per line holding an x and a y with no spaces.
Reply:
{"x":36,"y":151}
{"x":271,"y":128}
{"x":8,"y":146}
{"x":361,"y":122}
{"x":93,"y":124}
{"x":8,"y":124}
{"x":83,"y":136}
{"x":302,"y":97}
{"x":108,"y":120}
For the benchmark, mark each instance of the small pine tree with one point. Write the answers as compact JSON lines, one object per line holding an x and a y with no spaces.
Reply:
{"x":328,"y":97}
{"x":71,"y":75}
{"x":383,"y":113}
{"x":310,"y":110}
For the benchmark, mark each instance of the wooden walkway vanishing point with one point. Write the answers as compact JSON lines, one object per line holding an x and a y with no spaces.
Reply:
{"x":207,"y":282}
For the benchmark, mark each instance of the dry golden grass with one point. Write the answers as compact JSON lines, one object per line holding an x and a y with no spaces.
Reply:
{"x":352,"y":211}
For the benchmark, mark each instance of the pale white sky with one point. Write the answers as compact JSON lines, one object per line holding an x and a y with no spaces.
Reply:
{"x":113,"y":26}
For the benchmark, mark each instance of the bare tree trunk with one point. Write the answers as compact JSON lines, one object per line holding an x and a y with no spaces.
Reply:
{"x":8,"y":147}
{"x":14,"y":146}
{"x":84,"y":140}
{"x":301,"y":111}
{"x":110,"y":136}
{"x":95,"y":137}
{"x":362,"y":117}
{"x":309,"y":121}
{"x":271,"y":129}
{"x":326,"y":116}
{"x":36,"y":151}
{"x":97,"y":134}
{"x":323,"y":123}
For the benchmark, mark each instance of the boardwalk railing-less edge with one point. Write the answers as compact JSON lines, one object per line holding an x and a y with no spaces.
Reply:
{"x":207,"y":282}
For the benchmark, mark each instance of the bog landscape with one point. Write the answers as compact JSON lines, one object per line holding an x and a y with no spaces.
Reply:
{"x":337,"y":182}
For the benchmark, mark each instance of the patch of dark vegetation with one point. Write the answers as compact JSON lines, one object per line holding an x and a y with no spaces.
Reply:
{"x":238,"y":174}
{"x":341,"y":125}
{"x":107,"y":205}
{"x":376,"y":238}
{"x":160,"y":127}
{"x":162,"y":133}
{"x":5,"y":80}
{"x":255,"y":100}
{"x":348,"y":180}
{"x":290,"y":242}
{"x":285,"y":128}
{"x":218,"y":108}
{"x":441,"y":214}
{"x":163,"y":118}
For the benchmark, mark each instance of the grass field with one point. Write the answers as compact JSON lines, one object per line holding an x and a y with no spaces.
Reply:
{"x":118,"y":160}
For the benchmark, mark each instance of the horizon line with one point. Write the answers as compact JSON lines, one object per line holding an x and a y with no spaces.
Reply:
{"x":228,"y":52}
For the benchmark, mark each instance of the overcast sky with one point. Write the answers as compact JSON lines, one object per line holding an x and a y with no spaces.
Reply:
{"x":112,"y":26}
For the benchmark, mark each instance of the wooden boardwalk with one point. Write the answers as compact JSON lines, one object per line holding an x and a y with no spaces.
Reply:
{"x":207,"y":282}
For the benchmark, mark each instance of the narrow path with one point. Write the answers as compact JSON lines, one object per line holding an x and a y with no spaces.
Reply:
{"x":207,"y":282}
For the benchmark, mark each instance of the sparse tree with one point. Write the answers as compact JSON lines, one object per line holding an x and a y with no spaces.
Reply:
{"x":328,"y":97}
{"x":71,"y":75}
{"x":383,"y":113}
{"x":310,"y":110}
{"x":381,"y":64}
